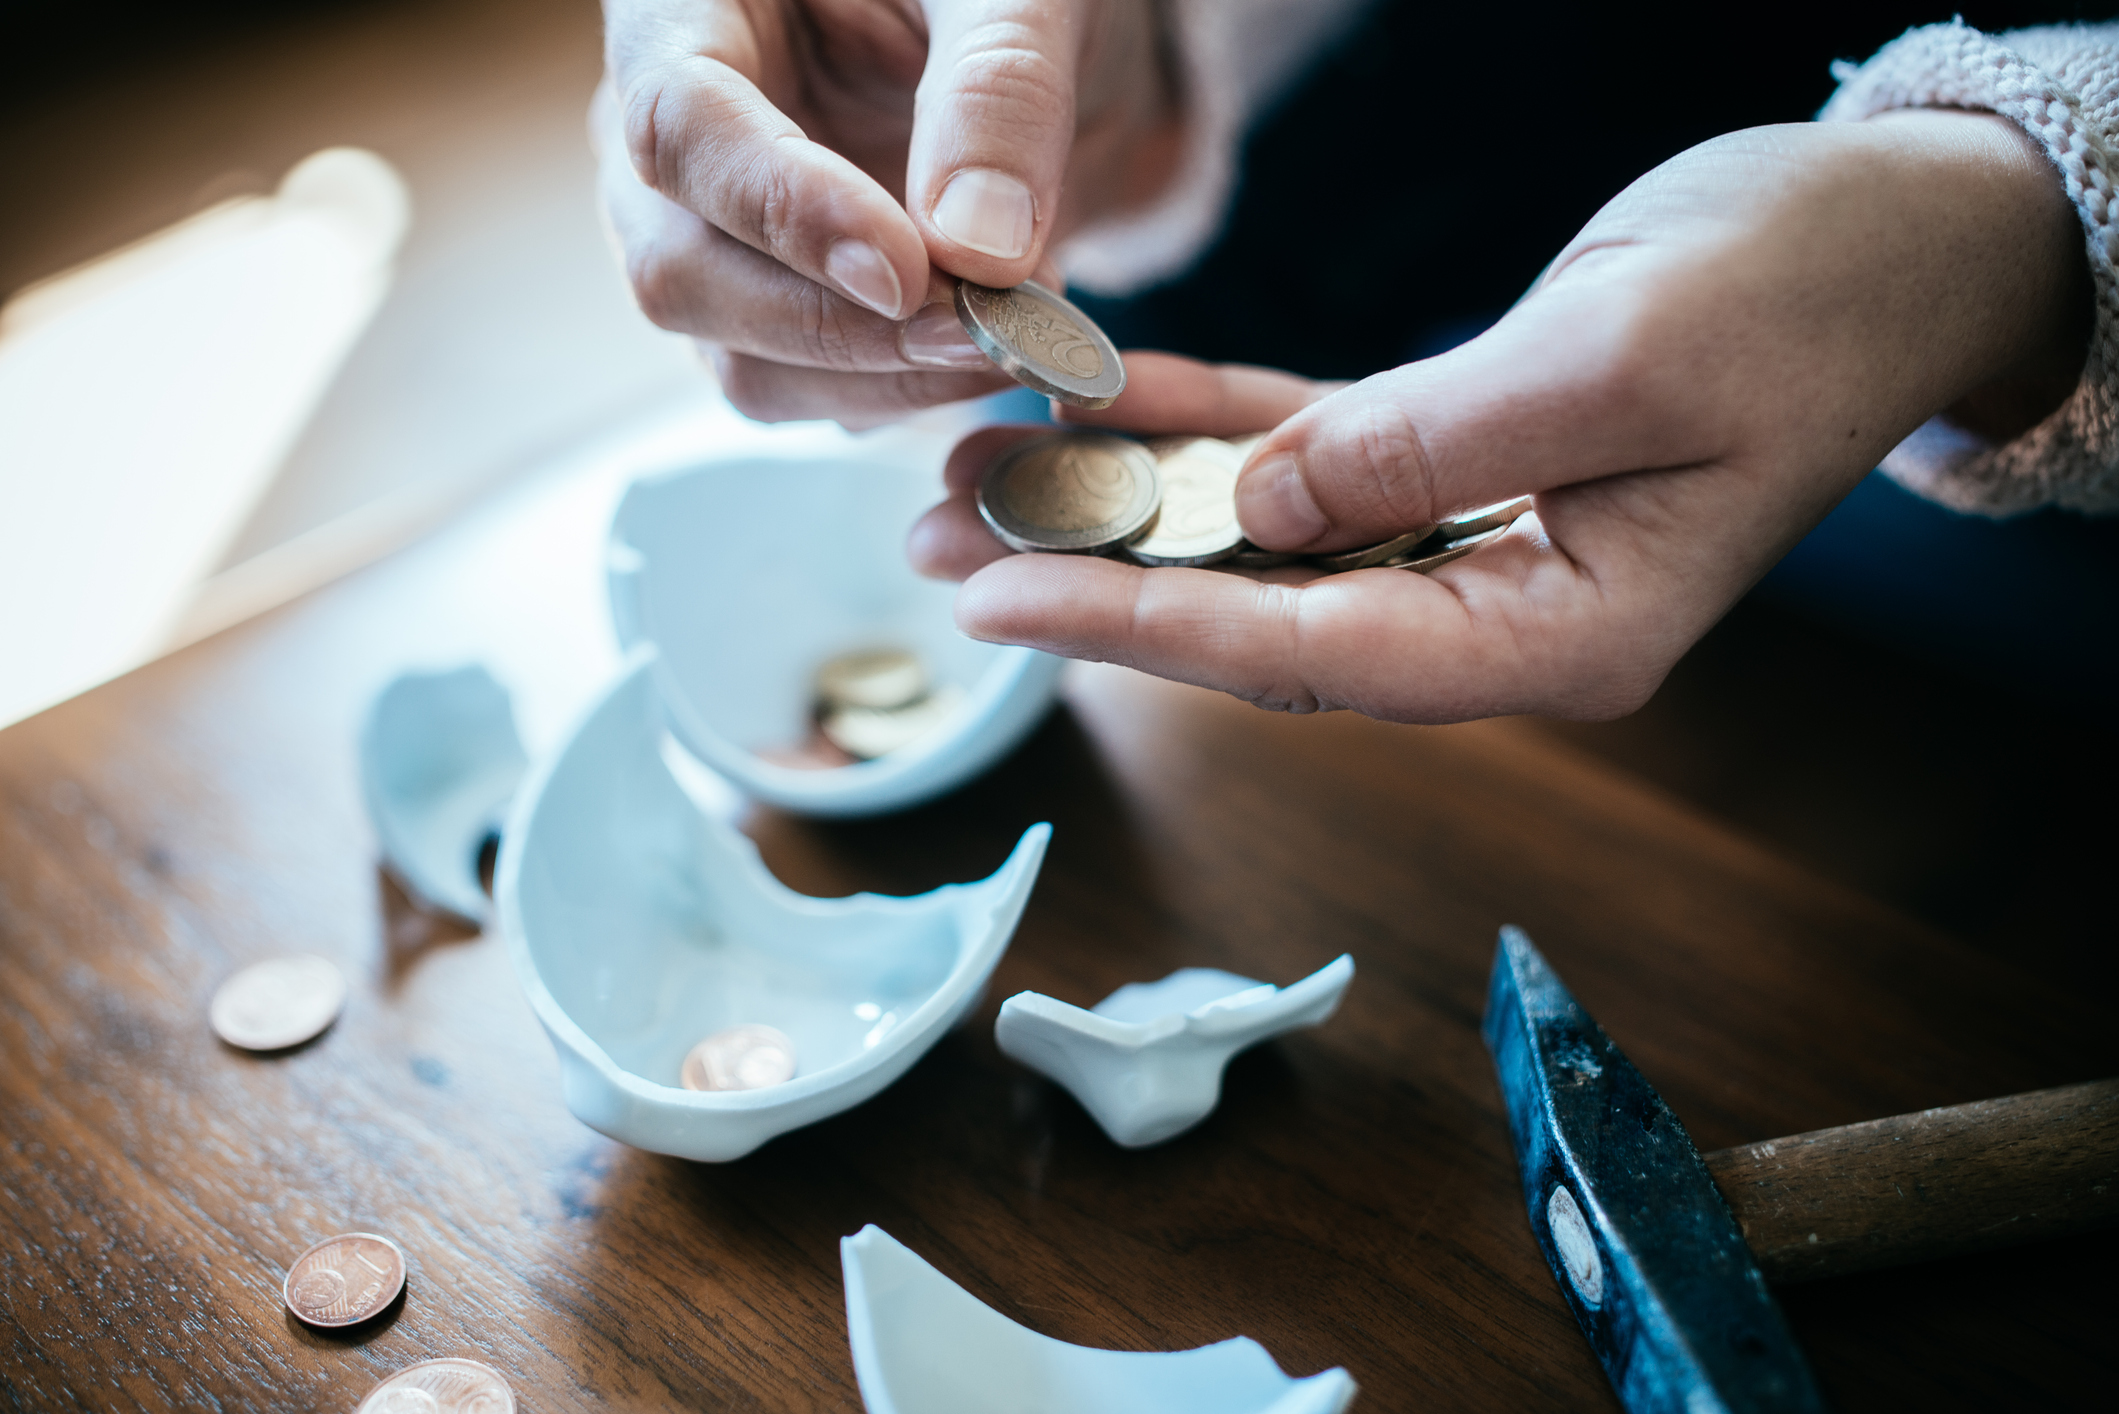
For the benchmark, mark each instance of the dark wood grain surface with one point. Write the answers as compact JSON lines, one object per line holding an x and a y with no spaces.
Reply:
{"x":1353,"y":1202}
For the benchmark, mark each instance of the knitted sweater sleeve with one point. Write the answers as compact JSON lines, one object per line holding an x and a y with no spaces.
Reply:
{"x":2061,"y":83}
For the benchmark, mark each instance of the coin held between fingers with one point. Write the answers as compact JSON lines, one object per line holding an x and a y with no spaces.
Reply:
{"x":1042,"y":341}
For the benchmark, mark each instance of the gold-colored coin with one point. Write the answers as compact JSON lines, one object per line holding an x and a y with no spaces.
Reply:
{"x":1196,"y":524}
{"x":1436,"y":558}
{"x":740,"y":1058}
{"x":865,"y":733}
{"x":450,"y":1386}
{"x":876,"y":677}
{"x":1070,"y":491}
{"x":1493,"y":517}
{"x":1341,"y":561}
{"x":1042,"y":341}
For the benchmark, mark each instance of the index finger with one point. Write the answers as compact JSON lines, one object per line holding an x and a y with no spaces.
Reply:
{"x":699,"y":130}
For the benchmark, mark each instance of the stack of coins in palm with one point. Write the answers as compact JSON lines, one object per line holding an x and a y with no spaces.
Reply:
{"x":1170,"y":502}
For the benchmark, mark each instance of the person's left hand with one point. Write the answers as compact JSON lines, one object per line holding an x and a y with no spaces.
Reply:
{"x":1721,"y":354}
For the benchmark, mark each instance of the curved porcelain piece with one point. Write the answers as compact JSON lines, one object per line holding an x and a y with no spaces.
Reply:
{"x":440,"y":760}
{"x":640,"y":923}
{"x":924,"y":1345}
{"x":749,"y":573}
{"x":1147,"y":1060}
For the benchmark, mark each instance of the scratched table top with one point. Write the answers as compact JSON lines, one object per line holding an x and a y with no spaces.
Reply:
{"x":1353,"y":1202}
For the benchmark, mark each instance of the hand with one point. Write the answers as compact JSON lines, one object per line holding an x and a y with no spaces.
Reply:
{"x":781,"y":196}
{"x":1719,"y":356}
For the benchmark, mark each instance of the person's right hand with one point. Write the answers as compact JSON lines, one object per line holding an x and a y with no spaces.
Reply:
{"x":794,"y":182}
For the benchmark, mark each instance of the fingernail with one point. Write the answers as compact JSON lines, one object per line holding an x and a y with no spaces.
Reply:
{"x":1274,"y":508}
{"x":860,"y":269}
{"x":990,"y":212}
{"x":936,"y":337}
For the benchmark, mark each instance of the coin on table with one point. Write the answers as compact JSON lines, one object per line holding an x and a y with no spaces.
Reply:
{"x":1493,"y":517}
{"x":874,"y":677}
{"x":1196,"y":524}
{"x":1041,"y":341}
{"x":1070,"y":491}
{"x":740,"y":1058}
{"x":281,"y":1002}
{"x":451,"y":1386}
{"x":865,"y":733}
{"x":1434,"y":559}
{"x":344,"y":1280}
{"x":1341,"y":561}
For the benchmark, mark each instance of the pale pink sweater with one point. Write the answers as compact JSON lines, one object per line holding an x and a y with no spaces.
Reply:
{"x":2061,"y":82}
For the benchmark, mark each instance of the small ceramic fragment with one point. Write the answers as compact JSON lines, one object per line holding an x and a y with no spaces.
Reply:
{"x":1147,"y":1060}
{"x":440,"y":761}
{"x":924,"y":1345}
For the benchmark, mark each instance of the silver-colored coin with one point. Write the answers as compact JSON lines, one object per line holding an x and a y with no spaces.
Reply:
{"x":451,"y":1386}
{"x":880,"y":678}
{"x":277,"y":1003}
{"x":740,"y":1058}
{"x":1197,"y":522}
{"x":345,"y":1280}
{"x":1493,"y":517}
{"x":1041,"y":341}
{"x":1070,"y":491}
{"x":1250,"y":557}
{"x":868,"y":732}
{"x":1341,"y":561}
{"x":1435,"y":559}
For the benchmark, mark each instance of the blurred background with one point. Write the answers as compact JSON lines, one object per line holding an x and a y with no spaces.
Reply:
{"x":232,"y":369}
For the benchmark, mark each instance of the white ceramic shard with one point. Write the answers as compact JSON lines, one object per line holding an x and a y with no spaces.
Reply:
{"x":641,"y":923}
{"x":1147,"y":1060}
{"x":924,"y":1345}
{"x":749,"y":574}
{"x":440,"y":761}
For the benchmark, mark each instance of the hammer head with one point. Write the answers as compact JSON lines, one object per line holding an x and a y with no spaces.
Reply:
{"x":1642,"y":1244}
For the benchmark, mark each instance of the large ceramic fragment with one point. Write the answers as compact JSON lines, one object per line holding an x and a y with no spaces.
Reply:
{"x":440,"y":761}
{"x":924,"y":1345}
{"x":641,"y":924}
{"x":1147,"y":1060}
{"x":750,"y":574}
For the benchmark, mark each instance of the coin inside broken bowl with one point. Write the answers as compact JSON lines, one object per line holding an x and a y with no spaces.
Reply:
{"x":761,"y":582}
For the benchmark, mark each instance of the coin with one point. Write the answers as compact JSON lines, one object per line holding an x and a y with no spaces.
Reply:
{"x":1435,"y":559}
{"x":451,"y":1386}
{"x":1196,"y":524}
{"x":1070,"y":491}
{"x":344,"y":1280}
{"x":874,"y":677}
{"x":740,"y":1058}
{"x":1250,"y":557}
{"x":1041,"y":341}
{"x":1342,"y":560}
{"x":277,"y":1003}
{"x":865,"y":733}
{"x":1492,"y":517}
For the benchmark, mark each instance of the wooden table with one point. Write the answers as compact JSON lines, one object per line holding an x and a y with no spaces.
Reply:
{"x":1354,"y":1201}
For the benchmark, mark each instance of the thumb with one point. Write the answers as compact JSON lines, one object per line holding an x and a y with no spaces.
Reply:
{"x":992,"y":126}
{"x":1571,"y":385}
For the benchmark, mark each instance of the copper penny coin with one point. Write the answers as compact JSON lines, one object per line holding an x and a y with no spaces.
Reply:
{"x":740,"y":1058}
{"x":344,"y":1280}
{"x":451,"y":1386}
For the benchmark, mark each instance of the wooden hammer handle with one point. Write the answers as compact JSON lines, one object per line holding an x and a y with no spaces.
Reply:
{"x":1933,"y":1184}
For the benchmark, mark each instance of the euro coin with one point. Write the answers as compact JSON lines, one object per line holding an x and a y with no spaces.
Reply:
{"x":740,"y":1058}
{"x":451,"y":1386}
{"x":344,"y":1280}
{"x":1493,"y":517}
{"x":865,"y":733}
{"x":281,"y":1002}
{"x":1435,"y":558}
{"x":1250,"y":557}
{"x":1343,"y":560}
{"x":1196,"y":524}
{"x":880,"y":678}
{"x":1070,"y":491}
{"x":1041,"y":341}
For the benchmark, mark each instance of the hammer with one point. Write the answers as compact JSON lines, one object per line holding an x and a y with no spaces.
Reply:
{"x":1664,"y":1253}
